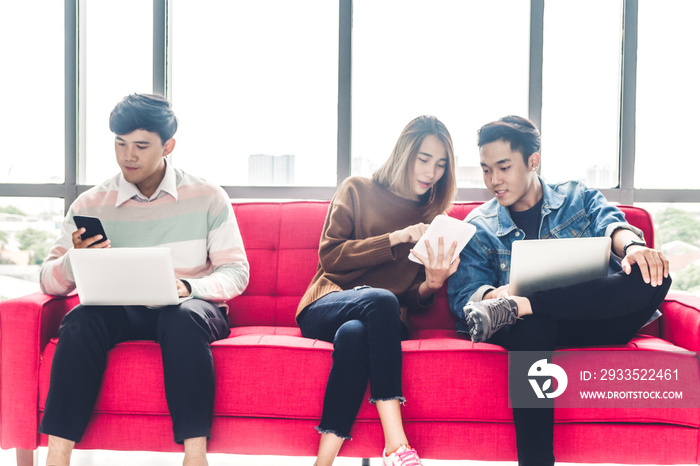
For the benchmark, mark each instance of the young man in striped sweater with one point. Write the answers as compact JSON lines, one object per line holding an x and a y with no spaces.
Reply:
{"x":150,"y":203}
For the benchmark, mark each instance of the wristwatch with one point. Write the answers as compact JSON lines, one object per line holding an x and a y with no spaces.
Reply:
{"x":634,"y":242}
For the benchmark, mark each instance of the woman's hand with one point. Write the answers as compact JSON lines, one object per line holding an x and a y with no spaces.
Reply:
{"x":410,"y":234}
{"x":437,"y":266}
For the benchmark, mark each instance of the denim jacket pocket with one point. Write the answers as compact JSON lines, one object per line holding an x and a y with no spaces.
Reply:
{"x":503,"y":259}
{"x":575,"y":226}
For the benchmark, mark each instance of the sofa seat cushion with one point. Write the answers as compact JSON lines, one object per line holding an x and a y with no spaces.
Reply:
{"x":285,"y":376}
{"x":272,"y":372}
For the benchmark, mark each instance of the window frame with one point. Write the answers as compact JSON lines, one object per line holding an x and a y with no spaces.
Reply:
{"x":625,"y":193}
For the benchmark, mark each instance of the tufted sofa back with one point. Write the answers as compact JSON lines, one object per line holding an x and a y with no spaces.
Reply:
{"x":281,"y":240}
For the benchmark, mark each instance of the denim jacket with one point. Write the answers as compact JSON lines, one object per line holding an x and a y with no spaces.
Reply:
{"x":569,"y":210}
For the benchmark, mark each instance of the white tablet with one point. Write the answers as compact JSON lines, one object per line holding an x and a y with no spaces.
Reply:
{"x":451,"y":230}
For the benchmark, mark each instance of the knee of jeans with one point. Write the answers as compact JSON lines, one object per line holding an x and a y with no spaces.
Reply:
{"x":656,"y":293}
{"x":383,"y":302}
{"x":179,"y":320}
{"x":81,"y":319}
{"x":350,"y":339}
{"x":666,"y":284}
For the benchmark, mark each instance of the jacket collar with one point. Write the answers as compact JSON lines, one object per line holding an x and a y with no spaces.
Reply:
{"x":552,"y":201}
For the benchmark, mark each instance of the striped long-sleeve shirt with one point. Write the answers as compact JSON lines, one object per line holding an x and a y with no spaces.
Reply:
{"x":190,"y":216}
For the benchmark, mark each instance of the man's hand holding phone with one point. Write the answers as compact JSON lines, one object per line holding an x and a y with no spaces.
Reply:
{"x":79,"y":243}
{"x":90,"y":233}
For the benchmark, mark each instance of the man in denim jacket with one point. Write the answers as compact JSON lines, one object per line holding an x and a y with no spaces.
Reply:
{"x":604,"y":311}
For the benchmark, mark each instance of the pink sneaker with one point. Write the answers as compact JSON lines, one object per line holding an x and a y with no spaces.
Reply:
{"x":404,"y":456}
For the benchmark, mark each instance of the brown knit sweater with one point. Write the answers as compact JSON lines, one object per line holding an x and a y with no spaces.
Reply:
{"x":354,"y":248}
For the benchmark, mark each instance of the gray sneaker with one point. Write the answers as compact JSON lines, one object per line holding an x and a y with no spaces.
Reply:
{"x":485,"y":318}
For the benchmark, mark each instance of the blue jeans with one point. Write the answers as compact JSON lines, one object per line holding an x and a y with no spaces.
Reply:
{"x":364,"y":326}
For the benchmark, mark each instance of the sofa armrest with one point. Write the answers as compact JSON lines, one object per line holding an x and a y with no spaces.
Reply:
{"x":680,"y":323}
{"x":26,"y":326}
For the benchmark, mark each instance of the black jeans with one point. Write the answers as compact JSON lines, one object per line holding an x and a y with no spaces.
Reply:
{"x":364,"y":326}
{"x":607,"y":311}
{"x":87,"y":333}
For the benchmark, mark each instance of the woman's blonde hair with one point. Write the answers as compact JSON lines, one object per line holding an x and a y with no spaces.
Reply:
{"x":395,"y":174}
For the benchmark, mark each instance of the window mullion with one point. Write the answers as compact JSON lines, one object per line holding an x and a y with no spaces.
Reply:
{"x":344,"y":90}
{"x":536,"y":60}
{"x":628,"y":101}
{"x":160,"y":62}
{"x":71,"y":71}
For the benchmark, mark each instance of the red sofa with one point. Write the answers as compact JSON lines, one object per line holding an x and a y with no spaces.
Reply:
{"x":270,"y":380}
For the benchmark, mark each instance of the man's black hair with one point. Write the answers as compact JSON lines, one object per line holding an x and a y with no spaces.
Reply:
{"x":149,"y":112}
{"x":521,"y":133}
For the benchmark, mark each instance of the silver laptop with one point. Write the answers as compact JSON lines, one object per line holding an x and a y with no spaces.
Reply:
{"x":542,"y":264}
{"x":124,"y":276}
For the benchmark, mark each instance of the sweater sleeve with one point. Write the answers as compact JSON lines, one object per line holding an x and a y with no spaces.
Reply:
{"x":56,"y":275}
{"x":339,"y":250}
{"x":411,"y":299}
{"x":227,"y":255}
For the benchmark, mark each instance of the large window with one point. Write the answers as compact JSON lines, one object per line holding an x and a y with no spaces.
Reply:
{"x":31,"y":92}
{"x":581,"y":91}
{"x":281,"y":99}
{"x":255,"y":87}
{"x":32,"y":137}
{"x":668,"y":95}
{"x":117,"y":60}
{"x":677,"y":230}
{"x":464,"y":62}
{"x":665,"y":155}
{"x":28,"y":228}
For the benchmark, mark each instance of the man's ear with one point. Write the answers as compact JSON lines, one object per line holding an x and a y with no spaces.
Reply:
{"x":168,"y":147}
{"x":533,"y":162}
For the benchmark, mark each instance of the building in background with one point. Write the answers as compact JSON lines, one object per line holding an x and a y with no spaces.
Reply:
{"x":271,"y":170}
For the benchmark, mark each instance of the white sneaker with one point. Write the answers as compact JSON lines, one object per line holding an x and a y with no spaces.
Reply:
{"x":404,"y":456}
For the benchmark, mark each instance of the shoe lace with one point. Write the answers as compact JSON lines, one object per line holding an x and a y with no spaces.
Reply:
{"x":501,"y":313}
{"x":408,"y":457}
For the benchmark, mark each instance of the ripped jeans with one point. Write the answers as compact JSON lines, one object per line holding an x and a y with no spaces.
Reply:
{"x":364,"y":326}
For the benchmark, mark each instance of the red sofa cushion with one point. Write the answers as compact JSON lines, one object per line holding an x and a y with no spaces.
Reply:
{"x":281,"y":241}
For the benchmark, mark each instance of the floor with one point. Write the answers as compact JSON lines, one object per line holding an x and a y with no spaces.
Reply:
{"x":113,"y":458}
{"x":118,"y":458}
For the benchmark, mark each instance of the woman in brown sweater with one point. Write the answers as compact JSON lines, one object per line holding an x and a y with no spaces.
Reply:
{"x":365,"y":279}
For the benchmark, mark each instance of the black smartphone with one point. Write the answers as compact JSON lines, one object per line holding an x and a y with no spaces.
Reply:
{"x":92,"y":226}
